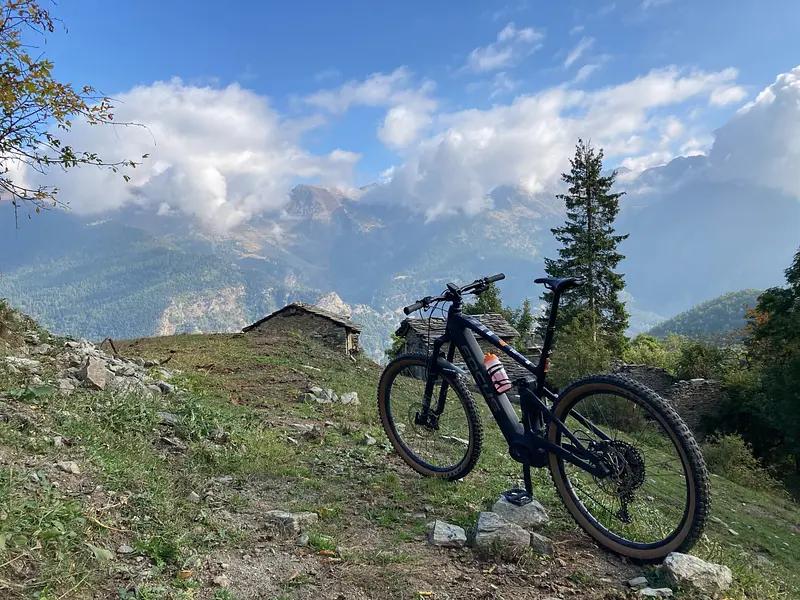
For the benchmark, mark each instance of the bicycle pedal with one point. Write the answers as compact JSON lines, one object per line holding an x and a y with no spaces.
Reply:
{"x":517,"y":497}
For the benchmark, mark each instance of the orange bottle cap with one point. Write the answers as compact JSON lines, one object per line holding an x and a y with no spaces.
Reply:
{"x":489,"y":356}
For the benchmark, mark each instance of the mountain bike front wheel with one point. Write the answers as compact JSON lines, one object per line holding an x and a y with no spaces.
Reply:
{"x":443,"y":440}
{"x":656,"y":497}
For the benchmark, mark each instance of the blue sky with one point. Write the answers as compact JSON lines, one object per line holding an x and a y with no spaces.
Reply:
{"x":285,"y":52}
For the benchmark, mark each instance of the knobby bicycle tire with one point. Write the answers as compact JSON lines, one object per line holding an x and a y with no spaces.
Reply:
{"x":475,"y":442}
{"x":695,"y":516}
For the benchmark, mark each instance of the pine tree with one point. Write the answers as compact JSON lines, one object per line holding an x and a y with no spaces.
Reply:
{"x":589,"y":249}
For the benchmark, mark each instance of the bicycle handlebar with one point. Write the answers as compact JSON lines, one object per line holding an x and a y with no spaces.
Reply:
{"x":475,"y":285}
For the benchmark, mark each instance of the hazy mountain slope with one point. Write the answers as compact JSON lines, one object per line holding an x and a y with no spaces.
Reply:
{"x":705,"y":239}
{"x":714,"y":317}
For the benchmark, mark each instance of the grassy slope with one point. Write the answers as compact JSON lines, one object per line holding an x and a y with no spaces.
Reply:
{"x":369,"y":543}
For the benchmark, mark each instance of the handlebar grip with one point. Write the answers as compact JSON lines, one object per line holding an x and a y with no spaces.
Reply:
{"x":413,"y":307}
{"x":497,"y":277}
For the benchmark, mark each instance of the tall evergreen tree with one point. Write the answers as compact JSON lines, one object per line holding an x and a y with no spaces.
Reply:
{"x":589,"y":248}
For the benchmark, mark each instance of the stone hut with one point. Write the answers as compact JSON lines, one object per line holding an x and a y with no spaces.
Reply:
{"x":420,"y":334}
{"x":336,"y":331}
{"x":697,"y":401}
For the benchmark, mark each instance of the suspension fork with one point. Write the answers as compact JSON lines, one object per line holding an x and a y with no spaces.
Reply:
{"x":426,"y":413}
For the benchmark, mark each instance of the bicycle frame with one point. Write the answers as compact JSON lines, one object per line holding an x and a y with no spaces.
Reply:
{"x":527,"y":444}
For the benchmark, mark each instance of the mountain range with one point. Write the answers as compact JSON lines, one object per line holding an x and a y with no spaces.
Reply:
{"x":139,"y":272}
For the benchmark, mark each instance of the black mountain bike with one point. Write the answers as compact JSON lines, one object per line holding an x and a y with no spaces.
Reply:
{"x":625,"y":464}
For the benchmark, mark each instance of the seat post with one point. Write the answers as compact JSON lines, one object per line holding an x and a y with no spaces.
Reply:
{"x":550,"y":331}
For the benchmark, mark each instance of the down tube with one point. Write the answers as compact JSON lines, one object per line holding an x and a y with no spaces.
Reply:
{"x":501,"y":408}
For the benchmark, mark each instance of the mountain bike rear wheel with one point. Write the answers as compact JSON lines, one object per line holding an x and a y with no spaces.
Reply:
{"x":446,"y":445}
{"x":657,"y":498}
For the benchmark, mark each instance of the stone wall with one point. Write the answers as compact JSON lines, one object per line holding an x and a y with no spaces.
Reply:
{"x":694,"y":399}
{"x":332,"y":334}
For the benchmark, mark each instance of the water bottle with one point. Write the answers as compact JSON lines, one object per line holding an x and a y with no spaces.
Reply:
{"x":497,"y":372}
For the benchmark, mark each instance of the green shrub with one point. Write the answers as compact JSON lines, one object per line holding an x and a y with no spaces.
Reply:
{"x":731,"y":457}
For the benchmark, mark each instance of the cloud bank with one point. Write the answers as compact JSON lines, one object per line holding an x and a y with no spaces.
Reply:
{"x":223,"y":154}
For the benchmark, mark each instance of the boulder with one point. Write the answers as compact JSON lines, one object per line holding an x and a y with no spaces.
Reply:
{"x":446,"y":535}
{"x":528,"y":516}
{"x":697,"y":575}
{"x":94,"y":373}
{"x":493,"y":534}
{"x":289,"y":523}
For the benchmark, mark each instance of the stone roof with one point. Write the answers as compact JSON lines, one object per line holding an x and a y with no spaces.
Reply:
{"x":310,"y":308}
{"x":432,"y":328}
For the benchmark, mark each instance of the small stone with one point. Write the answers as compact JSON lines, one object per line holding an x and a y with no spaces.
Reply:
{"x":655,"y":592}
{"x":289,"y":523}
{"x":219,"y":436}
{"x":419,"y":516}
{"x":165,"y":387}
{"x":168,"y":418}
{"x":94,"y":373}
{"x":306,"y":397}
{"x":125,"y":549}
{"x":65,"y":387}
{"x":369,"y":440}
{"x":692,"y":573}
{"x":350,"y":398}
{"x":492,"y":532}
{"x":446,"y":535}
{"x":528,"y":516}
{"x":541,"y":544}
{"x":224,"y":480}
{"x":193,"y":497}
{"x":302,"y":540}
{"x":638,"y":582}
{"x":33,"y":477}
{"x":732,"y":532}
{"x":763,"y":561}
{"x":58,"y":441}
{"x":150,"y":363}
{"x":221,"y":581}
{"x":69,"y":466}
{"x":316,"y":390}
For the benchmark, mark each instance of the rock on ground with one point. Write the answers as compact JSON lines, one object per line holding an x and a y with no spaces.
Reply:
{"x":289,"y":523}
{"x":446,"y":535}
{"x":692,"y":573}
{"x":94,"y":373}
{"x":528,"y":516}
{"x":638,"y":582}
{"x":655,"y":592}
{"x":69,"y":466}
{"x":541,"y":544}
{"x":493,"y":534}
{"x":350,"y":398}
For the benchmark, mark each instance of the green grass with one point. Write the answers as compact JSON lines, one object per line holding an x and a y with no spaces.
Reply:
{"x":368,"y":502}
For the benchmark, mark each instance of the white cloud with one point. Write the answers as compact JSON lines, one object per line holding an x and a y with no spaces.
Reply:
{"x":217,"y":154}
{"x":583,"y":45}
{"x":729,"y":95}
{"x":528,"y":142}
{"x":585,"y":72}
{"x":653,"y":3}
{"x":577,"y":29}
{"x":327,"y":74}
{"x":511,"y":45}
{"x":409,"y":106}
{"x":761,"y":142}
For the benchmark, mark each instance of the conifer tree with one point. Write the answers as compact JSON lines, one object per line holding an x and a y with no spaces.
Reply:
{"x":589,"y":248}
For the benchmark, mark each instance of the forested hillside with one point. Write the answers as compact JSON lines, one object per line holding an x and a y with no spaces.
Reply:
{"x":714,"y":317}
